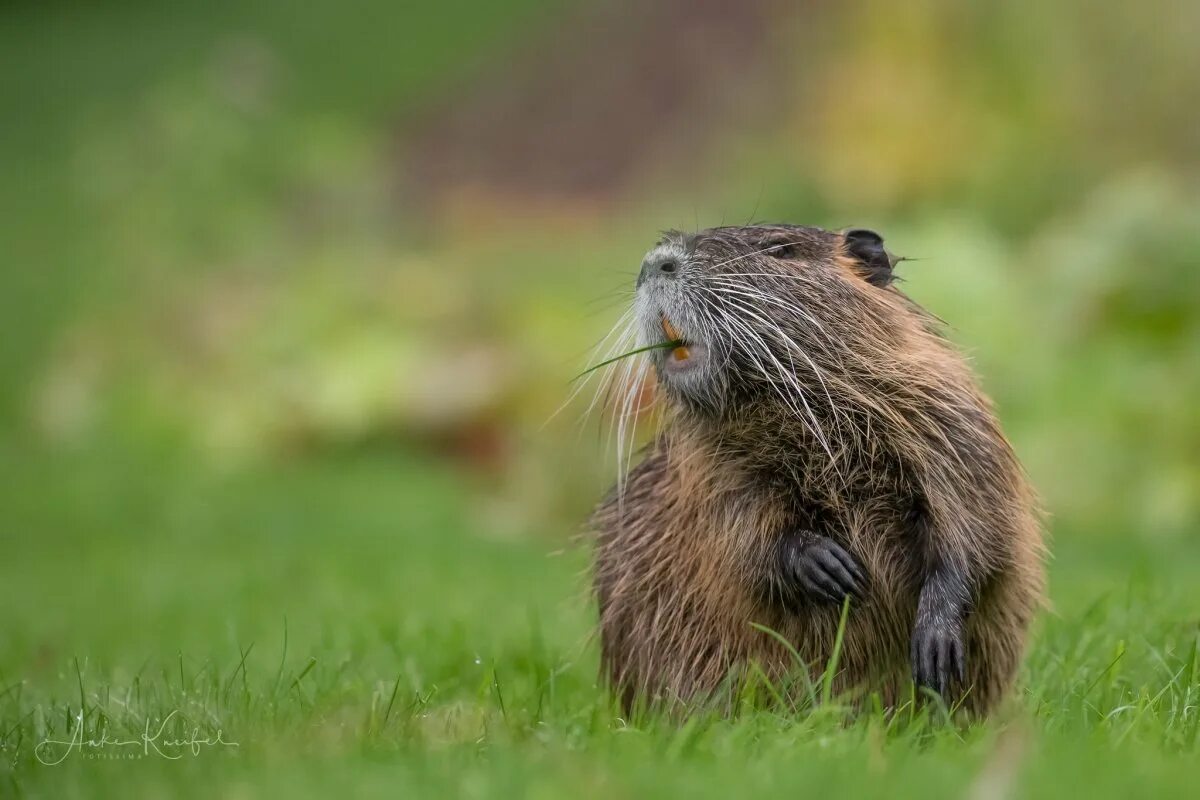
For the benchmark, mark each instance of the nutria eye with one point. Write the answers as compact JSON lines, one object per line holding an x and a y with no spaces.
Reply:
{"x":667,"y":266}
{"x":781,"y":246}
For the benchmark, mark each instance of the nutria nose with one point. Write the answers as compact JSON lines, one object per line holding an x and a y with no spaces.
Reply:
{"x":656,"y":265}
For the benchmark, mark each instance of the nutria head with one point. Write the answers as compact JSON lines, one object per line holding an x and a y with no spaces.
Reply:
{"x":767,"y":314}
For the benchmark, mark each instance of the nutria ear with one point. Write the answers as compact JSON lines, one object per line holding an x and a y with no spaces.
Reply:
{"x":874,"y":262}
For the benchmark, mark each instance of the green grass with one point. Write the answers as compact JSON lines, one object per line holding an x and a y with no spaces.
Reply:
{"x":352,"y":626}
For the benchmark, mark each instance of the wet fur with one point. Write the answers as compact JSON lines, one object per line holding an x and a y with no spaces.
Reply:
{"x":891,"y":450}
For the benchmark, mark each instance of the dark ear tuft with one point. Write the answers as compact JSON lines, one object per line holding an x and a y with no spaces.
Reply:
{"x":866,"y":248}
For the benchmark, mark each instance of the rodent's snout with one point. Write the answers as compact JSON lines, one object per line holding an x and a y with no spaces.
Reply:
{"x":658,"y":263}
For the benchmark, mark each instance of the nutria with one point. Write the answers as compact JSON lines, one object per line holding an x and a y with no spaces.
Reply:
{"x":822,"y":440}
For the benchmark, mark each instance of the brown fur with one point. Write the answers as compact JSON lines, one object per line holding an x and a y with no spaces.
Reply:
{"x":896,"y":452}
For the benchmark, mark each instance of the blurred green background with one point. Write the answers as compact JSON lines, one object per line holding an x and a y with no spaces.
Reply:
{"x":291,"y":293}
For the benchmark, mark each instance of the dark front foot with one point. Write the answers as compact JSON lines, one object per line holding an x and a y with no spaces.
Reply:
{"x":938,"y":640}
{"x":819,"y":569}
{"x":938,"y":658}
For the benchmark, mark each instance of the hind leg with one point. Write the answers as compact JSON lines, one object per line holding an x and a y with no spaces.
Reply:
{"x":998,"y":631}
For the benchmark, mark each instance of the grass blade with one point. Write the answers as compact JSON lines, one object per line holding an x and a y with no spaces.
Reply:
{"x":659,"y":346}
{"x":831,"y":668}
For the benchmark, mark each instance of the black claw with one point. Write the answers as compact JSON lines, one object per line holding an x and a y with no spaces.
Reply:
{"x":851,"y":565}
{"x":943,"y":672}
{"x":929,"y":665}
{"x":817,"y":593}
{"x":813,"y":583}
{"x":821,"y":569}
{"x":839,"y":573}
{"x":828,"y":583}
{"x":937,"y":654}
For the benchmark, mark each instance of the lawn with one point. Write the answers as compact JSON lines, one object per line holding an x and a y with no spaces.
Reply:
{"x":351,"y":629}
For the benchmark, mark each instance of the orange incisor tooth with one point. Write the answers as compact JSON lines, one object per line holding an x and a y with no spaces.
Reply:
{"x":679,"y":353}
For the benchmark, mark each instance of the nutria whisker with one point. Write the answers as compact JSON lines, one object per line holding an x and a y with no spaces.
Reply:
{"x":624,"y":324}
{"x":787,"y":376}
{"x":776,"y":246}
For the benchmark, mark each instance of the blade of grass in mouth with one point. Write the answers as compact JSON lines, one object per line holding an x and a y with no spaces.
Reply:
{"x":659,"y":346}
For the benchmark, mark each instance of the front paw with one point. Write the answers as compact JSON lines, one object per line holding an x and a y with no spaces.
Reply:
{"x":938,"y":655}
{"x":820,"y":569}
